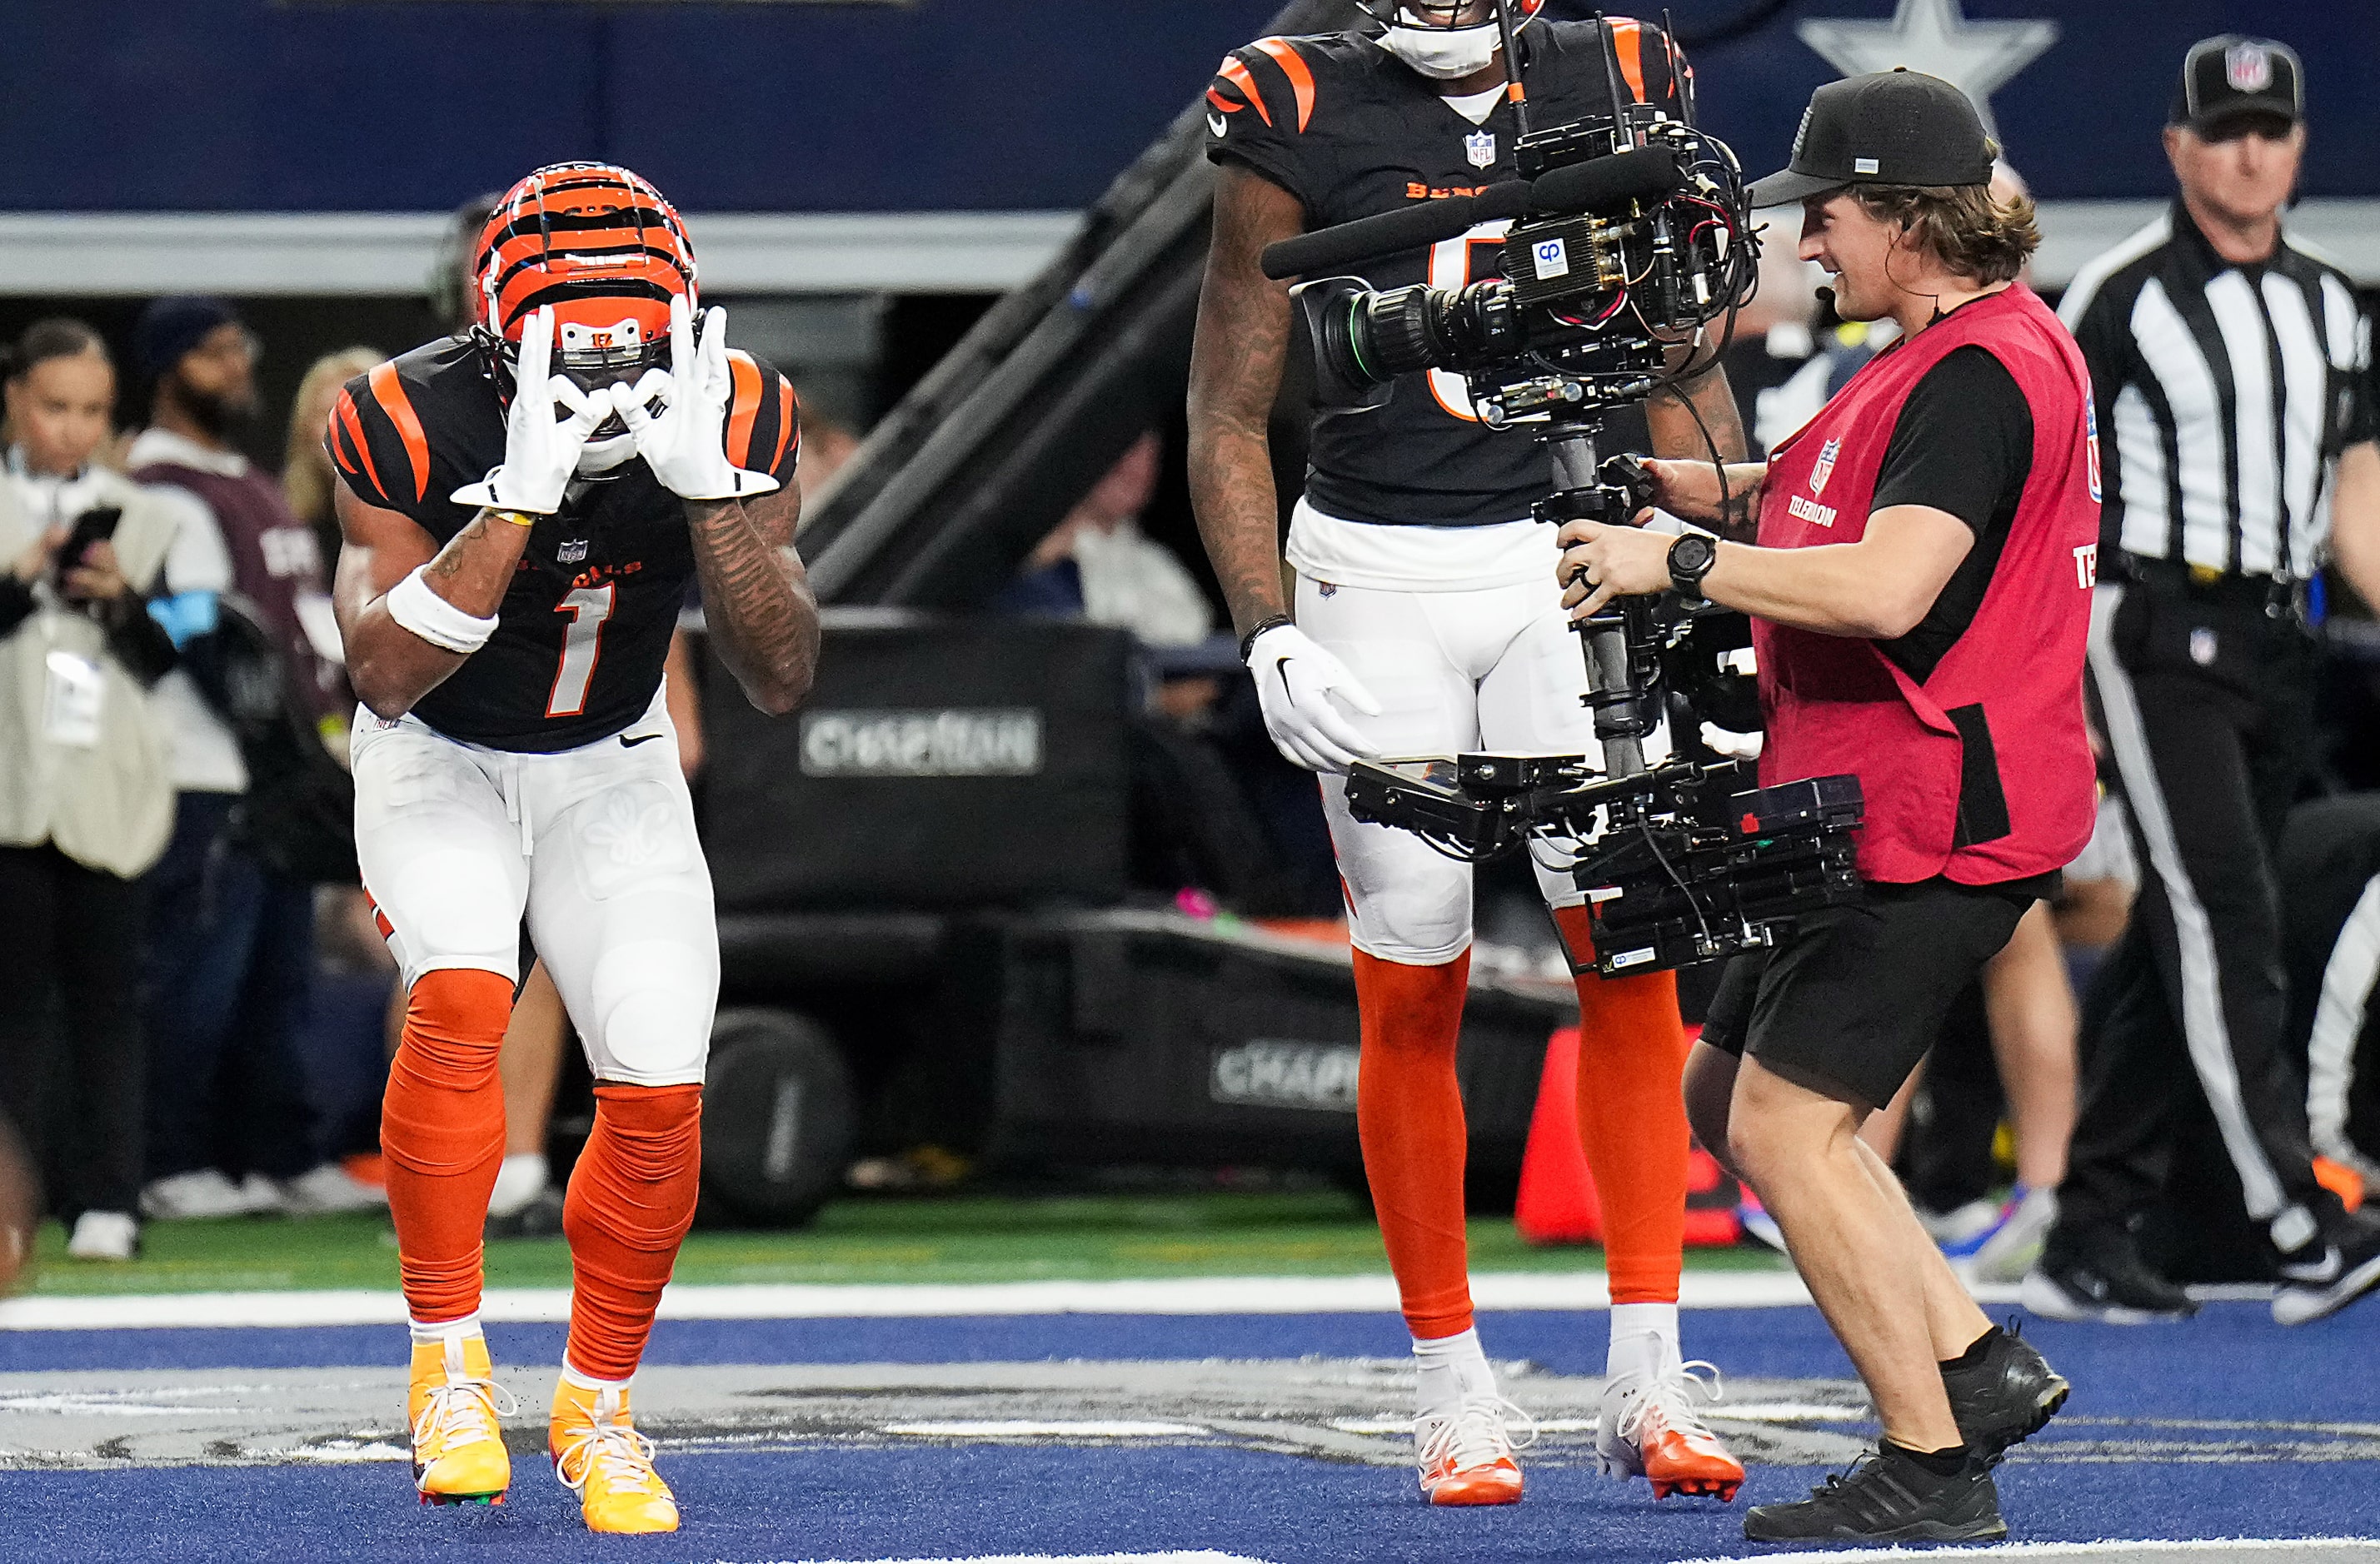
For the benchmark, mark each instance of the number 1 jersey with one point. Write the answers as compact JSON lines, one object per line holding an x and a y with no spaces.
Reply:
{"x":1351,"y":131}
{"x":583,"y":630}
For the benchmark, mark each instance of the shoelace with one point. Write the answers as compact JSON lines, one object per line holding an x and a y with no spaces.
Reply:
{"x":1474,"y":1435}
{"x":463,"y":1412}
{"x":625,"y":1456}
{"x":1671,"y":1394}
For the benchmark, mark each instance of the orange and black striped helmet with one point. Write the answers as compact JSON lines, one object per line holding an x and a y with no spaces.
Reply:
{"x":604,"y":248}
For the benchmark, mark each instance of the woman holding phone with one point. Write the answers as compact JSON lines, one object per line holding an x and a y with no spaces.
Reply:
{"x":85,"y":802}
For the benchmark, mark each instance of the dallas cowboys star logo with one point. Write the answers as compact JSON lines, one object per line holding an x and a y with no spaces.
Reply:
{"x":1935,"y":36}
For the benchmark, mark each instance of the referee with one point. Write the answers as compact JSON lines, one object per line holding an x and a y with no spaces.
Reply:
{"x":2229,"y":363}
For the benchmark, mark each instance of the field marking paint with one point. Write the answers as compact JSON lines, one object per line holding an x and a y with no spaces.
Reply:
{"x":2067,"y":1550}
{"x":1050,"y":1559}
{"x":1019,"y":1429}
{"x":1183,"y":1296}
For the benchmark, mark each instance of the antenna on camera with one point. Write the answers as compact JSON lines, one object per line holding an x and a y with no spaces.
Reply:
{"x":1681,"y":81}
{"x":1623,"y":137}
{"x":1515,"y":88}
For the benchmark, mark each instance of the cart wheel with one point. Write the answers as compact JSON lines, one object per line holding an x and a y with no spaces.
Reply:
{"x":777,"y":1118}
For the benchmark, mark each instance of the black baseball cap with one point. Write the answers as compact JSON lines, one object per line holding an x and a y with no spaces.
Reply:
{"x":1892,"y":128}
{"x":2233,"y":75}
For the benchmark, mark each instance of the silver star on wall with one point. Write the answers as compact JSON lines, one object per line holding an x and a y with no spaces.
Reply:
{"x":1935,"y":36}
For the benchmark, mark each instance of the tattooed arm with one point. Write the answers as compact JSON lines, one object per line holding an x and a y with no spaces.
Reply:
{"x":1234,"y":375}
{"x":1678,"y":419}
{"x":390,"y":666}
{"x":757,"y":596}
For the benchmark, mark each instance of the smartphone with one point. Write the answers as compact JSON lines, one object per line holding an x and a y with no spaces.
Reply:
{"x":92,"y":527}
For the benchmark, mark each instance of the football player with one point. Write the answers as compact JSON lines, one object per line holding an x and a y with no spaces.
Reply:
{"x":1424,"y":623}
{"x":523,"y":505}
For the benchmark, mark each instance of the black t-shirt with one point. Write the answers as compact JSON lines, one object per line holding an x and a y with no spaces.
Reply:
{"x":1351,"y":131}
{"x":1962,"y":443}
{"x":585,"y":627}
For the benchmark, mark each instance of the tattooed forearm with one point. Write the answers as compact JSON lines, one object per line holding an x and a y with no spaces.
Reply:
{"x":1700,"y":421}
{"x":1235,"y":368}
{"x":757,"y":596}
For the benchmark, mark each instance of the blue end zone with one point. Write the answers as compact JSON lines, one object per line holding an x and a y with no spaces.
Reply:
{"x":2230,"y":1364}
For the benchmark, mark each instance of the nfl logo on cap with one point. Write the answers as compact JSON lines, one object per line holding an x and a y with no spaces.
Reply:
{"x":2247,"y":68}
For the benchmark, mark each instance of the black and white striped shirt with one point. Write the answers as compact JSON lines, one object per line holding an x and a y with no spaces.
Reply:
{"x":2225,"y":394}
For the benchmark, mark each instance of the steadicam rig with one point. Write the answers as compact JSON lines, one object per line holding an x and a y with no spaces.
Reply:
{"x":1629,"y":238}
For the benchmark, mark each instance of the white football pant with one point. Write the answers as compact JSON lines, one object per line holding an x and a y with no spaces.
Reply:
{"x":1497,"y":668}
{"x":595,"y":845}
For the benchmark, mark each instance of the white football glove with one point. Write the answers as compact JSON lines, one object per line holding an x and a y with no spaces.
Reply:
{"x":541,"y":447}
{"x":686,"y":445}
{"x":1299,"y":684}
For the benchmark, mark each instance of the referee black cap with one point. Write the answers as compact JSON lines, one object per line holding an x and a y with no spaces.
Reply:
{"x":2230,"y":77}
{"x":1892,"y":128}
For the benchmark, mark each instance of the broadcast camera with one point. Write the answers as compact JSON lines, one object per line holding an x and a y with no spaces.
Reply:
{"x":1629,"y":238}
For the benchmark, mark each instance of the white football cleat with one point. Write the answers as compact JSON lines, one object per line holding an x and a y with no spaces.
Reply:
{"x":1649,"y":1428}
{"x":1466,"y":1458}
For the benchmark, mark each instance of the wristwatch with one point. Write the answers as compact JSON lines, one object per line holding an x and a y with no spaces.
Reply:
{"x":1691,"y":558}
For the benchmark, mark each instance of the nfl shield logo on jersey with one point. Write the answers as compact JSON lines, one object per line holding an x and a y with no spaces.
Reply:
{"x":1481,"y":148}
{"x":2091,"y":442}
{"x":2247,"y":68}
{"x":571,"y":552}
{"x":1825,"y":466}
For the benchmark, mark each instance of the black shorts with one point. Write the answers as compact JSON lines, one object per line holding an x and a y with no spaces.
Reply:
{"x":1855,"y":995}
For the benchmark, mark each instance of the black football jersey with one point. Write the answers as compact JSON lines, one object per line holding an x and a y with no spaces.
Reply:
{"x":582,"y":633}
{"x":1351,"y":132}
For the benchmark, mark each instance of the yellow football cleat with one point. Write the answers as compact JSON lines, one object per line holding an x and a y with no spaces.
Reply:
{"x":599,"y":1456}
{"x":456,"y":1407}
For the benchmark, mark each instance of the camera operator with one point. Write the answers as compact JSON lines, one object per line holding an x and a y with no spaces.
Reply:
{"x":85,"y":802}
{"x":1425,"y":621}
{"x":1920,"y":599}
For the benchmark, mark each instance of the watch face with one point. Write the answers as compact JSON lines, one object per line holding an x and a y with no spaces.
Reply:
{"x":1691,"y":552}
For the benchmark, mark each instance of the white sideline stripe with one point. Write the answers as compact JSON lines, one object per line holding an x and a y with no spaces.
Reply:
{"x":1051,"y":1559}
{"x":1188,"y":1295}
{"x":2058,"y":1550}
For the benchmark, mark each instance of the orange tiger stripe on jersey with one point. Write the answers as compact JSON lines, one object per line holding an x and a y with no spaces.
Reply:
{"x":330,"y":439}
{"x":1628,"y":42}
{"x":346,"y":413}
{"x":1301,"y":79}
{"x":389,"y":392}
{"x":1237,"y":75}
{"x":789,"y":419}
{"x":1225,"y":105}
{"x":747,"y":408}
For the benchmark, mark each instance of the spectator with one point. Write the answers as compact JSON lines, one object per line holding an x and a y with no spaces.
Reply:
{"x":1098,"y":563}
{"x":306,"y":479}
{"x":229,"y":1130}
{"x":85,"y":803}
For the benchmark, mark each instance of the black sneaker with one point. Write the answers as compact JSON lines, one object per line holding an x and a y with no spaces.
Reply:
{"x":1886,"y":1498}
{"x":2330,"y":1274}
{"x":2005,"y":1398}
{"x":2109,"y":1283}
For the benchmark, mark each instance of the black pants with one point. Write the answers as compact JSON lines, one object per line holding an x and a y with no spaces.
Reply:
{"x":73,"y":936}
{"x":231,"y":970}
{"x":2206,"y":702}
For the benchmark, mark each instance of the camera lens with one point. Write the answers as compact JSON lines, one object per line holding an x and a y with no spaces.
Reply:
{"x":1398,"y":332}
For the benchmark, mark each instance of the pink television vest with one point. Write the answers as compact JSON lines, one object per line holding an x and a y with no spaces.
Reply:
{"x":1997,"y":729}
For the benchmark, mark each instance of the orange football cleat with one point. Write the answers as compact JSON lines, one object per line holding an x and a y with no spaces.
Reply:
{"x":456,"y":1408}
{"x":1466,"y":1459}
{"x":1649,"y":1428}
{"x":599,"y":1456}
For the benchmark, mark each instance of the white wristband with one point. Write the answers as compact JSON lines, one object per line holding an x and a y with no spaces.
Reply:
{"x":412,"y":604}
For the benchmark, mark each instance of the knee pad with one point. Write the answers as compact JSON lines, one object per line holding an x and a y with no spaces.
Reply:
{"x":653,"y":1003}
{"x":455,"y":1021}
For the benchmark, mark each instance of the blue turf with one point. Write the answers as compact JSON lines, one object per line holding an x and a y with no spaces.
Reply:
{"x":2230,"y":1362}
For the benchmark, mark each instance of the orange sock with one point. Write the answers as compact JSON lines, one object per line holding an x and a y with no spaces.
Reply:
{"x":442,"y":1135}
{"x":1409,"y":1116}
{"x":1632,"y":1117}
{"x":631,"y":1200}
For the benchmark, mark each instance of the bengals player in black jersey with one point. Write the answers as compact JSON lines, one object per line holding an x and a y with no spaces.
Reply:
{"x":524,"y":505}
{"x":1425,"y":621}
